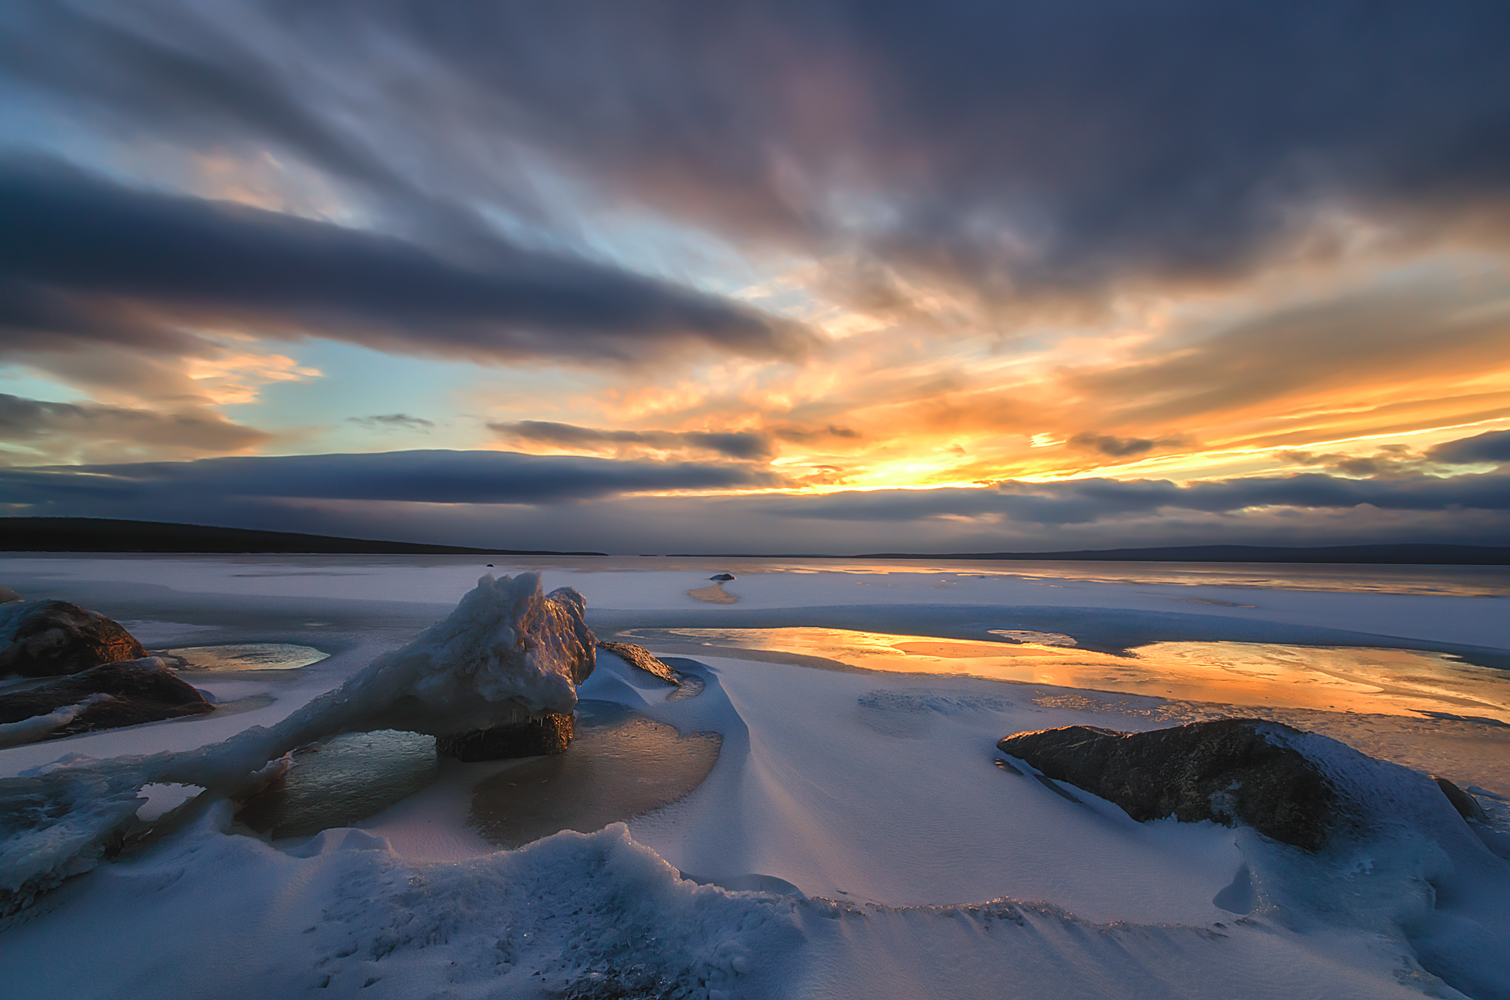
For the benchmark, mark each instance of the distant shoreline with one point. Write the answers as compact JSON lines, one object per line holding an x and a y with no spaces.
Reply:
{"x":107,"y":535}
{"x":1404,"y":554}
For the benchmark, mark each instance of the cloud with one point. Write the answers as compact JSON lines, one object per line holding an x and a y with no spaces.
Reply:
{"x":393,"y":421}
{"x":1491,"y":446}
{"x":1019,"y":150}
{"x":62,"y":430}
{"x":1420,"y":327}
{"x":443,"y":477}
{"x":201,"y":76}
{"x":1166,"y":178}
{"x":579,"y":516}
{"x":806,"y":435}
{"x":1391,"y":460}
{"x":1084,"y":501}
{"x":1115,"y":447}
{"x":732,"y":444}
{"x":91,"y":260}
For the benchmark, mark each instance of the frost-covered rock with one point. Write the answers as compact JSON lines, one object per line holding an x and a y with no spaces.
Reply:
{"x":49,"y":638}
{"x":1295,"y":787}
{"x":1230,"y":770}
{"x":103,"y":697}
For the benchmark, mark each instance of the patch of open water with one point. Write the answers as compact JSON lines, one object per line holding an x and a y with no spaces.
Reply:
{"x":620,"y":765}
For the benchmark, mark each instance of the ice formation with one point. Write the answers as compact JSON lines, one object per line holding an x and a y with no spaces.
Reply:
{"x":507,"y":652}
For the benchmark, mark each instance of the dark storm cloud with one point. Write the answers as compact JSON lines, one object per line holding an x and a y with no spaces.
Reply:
{"x":29,"y":421}
{"x":446,"y":477}
{"x":77,"y":251}
{"x":1085,"y":501}
{"x":1491,"y":446}
{"x":1021,"y":147}
{"x":734,"y":444}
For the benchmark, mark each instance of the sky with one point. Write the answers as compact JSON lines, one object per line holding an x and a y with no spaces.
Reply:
{"x":760,"y":277}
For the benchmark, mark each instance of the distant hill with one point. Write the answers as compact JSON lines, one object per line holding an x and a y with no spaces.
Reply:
{"x":1407,"y":554}
{"x":93,"y":534}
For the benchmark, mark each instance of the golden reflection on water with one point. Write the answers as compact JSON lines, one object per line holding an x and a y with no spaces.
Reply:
{"x":247,"y":656}
{"x":1336,"y":679}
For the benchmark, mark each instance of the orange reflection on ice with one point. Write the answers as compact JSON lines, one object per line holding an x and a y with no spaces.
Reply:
{"x":1338,"y":679}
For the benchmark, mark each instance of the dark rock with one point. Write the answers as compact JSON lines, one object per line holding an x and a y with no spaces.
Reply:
{"x":547,"y":734}
{"x":116,"y":694}
{"x":1228,"y":771}
{"x":51,"y":638}
{"x":723,"y":577}
{"x":642,"y":659}
{"x":1466,"y":805}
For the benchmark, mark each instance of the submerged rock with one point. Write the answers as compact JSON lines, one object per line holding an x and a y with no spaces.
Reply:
{"x":1230,"y":771}
{"x":548,"y":734}
{"x":642,"y":659}
{"x":103,"y":697}
{"x":51,"y":638}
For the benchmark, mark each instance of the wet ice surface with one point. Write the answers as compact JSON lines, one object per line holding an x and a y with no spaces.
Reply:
{"x":345,"y":779}
{"x":620,"y":765}
{"x":245,"y":656}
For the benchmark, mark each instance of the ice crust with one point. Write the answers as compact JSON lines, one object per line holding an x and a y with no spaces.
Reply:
{"x":34,"y":728}
{"x":506,"y":652}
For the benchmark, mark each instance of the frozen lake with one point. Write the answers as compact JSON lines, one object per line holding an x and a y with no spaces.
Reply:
{"x":845,"y":765}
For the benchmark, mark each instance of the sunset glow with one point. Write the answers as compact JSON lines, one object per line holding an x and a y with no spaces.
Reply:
{"x":768,"y":282}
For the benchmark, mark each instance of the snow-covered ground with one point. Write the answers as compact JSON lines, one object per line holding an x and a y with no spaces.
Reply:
{"x":855,"y":837}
